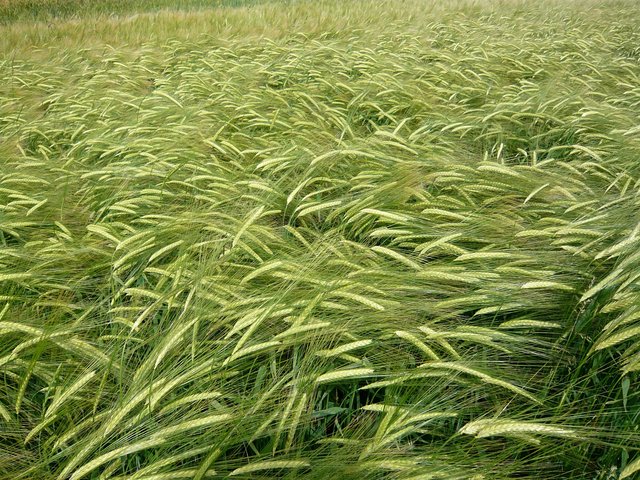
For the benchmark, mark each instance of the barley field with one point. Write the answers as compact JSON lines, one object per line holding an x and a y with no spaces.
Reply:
{"x":320,"y":240}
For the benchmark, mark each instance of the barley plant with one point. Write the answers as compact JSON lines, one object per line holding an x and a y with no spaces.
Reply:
{"x":320,"y":240}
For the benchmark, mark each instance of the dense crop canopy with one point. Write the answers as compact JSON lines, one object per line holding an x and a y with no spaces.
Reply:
{"x":320,"y":240}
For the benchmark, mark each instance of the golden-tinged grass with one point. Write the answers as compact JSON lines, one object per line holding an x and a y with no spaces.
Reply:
{"x":317,"y":240}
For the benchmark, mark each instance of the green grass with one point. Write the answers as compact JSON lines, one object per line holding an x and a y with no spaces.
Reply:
{"x":350,"y":240}
{"x":49,"y":10}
